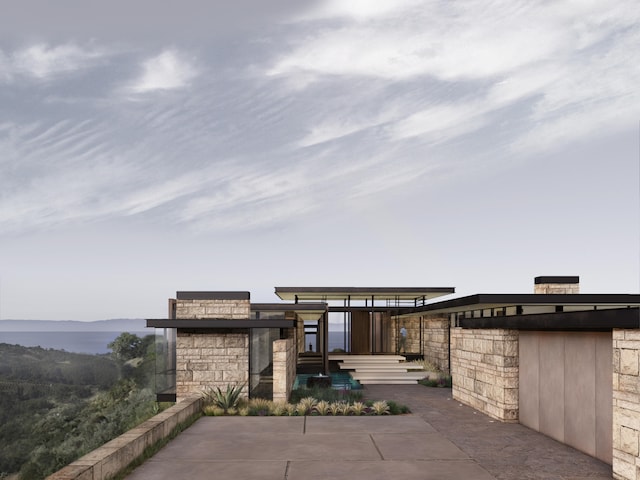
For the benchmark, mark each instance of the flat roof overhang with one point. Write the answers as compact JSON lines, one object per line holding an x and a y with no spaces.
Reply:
{"x":588,"y":320}
{"x":319,"y":307}
{"x":361,"y":293}
{"x":484,"y":301}
{"x":304,"y":311}
{"x":212,"y":295}
{"x":216,"y":323}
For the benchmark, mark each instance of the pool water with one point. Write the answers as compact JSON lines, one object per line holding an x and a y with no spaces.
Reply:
{"x":339,"y":381}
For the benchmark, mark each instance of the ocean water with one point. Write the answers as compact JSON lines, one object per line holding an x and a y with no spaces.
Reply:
{"x":76,"y":342}
{"x":336,"y":340}
{"x":96,"y":342}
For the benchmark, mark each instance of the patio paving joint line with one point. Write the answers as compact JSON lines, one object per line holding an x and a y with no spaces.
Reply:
{"x":376,"y":446}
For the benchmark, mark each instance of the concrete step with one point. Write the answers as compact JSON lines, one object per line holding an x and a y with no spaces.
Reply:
{"x":365,"y":358}
{"x":368,"y":367}
{"x":389,"y":375}
{"x":388,"y":382}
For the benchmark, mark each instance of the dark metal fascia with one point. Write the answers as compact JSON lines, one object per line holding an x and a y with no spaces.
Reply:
{"x":391,"y":310}
{"x":556,"y":279}
{"x":511,"y":299}
{"x":287,"y":307}
{"x":203,"y":295}
{"x":215,"y":323}
{"x":588,"y":320}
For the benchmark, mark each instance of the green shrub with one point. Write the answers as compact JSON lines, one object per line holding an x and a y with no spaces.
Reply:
{"x":397,"y":409}
{"x":443,"y":381}
{"x":327,"y":394}
{"x":259,"y":407}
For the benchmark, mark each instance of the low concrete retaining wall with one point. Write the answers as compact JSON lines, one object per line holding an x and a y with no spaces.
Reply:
{"x":119,"y":453}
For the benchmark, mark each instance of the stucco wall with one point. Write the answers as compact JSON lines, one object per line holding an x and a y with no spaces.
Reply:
{"x":565,"y":388}
{"x":626,"y":404}
{"x":484,"y":370}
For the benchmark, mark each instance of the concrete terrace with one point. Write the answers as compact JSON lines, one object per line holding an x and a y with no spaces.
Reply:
{"x":442,"y":439}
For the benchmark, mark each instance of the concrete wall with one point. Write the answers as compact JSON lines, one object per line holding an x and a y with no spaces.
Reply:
{"x":565,"y":388}
{"x":207,"y":360}
{"x":436,"y":341}
{"x":484,"y":370}
{"x":116,"y":455}
{"x":626,"y":404}
{"x":284,"y":368}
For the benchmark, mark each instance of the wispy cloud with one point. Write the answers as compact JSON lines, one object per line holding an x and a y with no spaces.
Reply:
{"x":43,"y":62}
{"x":560,"y":59}
{"x":167,"y":71}
{"x":342,"y":104}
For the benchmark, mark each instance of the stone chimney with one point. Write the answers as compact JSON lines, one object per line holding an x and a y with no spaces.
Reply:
{"x":558,"y":285}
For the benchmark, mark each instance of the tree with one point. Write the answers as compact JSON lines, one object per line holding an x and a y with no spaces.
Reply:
{"x":127,"y":346}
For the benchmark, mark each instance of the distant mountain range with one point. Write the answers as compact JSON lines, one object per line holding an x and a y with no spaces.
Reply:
{"x":112,"y":325}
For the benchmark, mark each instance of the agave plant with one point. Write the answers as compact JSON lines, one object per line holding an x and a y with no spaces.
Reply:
{"x":322,"y":408}
{"x":381,"y":408}
{"x":338,"y":408}
{"x":227,"y":400}
{"x":357,"y":408}
{"x":306,"y":405}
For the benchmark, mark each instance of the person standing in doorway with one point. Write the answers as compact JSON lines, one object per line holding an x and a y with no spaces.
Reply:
{"x":403,"y":340}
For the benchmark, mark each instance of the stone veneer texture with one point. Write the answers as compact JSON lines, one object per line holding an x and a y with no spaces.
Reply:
{"x":556,"y":288}
{"x":209,"y":360}
{"x":232,"y":309}
{"x":392,"y":329}
{"x":284,"y":368}
{"x":436,"y":341}
{"x":626,"y":404}
{"x":484,"y":370}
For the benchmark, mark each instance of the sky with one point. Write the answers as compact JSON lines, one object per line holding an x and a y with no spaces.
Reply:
{"x":152,"y":146}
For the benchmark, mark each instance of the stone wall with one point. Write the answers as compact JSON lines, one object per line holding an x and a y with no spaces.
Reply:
{"x":484,"y":370}
{"x":217,"y":308}
{"x":284,"y":368}
{"x":626,"y":404}
{"x":436,"y":341}
{"x":392,"y":331}
{"x":206,"y":359}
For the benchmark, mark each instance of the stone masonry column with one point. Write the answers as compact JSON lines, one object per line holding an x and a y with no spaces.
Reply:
{"x":626,"y":404}
{"x":210,"y":358}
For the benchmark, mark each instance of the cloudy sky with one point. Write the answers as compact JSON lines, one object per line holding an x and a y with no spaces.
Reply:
{"x":195,"y":145}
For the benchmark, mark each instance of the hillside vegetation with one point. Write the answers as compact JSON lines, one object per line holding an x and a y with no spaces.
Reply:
{"x":56,"y":406}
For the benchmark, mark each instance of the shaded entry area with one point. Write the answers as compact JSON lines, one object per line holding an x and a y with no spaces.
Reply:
{"x":361,"y":321}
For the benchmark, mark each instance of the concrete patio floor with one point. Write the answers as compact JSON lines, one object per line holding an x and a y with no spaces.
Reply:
{"x":441,"y":439}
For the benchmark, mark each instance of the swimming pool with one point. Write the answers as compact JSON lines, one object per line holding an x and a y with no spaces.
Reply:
{"x":339,"y":381}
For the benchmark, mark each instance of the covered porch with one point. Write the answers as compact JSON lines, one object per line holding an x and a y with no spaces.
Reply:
{"x":359,"y":321}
